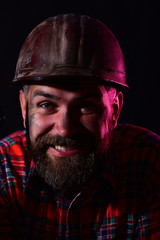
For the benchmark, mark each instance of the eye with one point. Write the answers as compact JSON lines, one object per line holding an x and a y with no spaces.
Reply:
{"x":47,"y":106}
{"x":89,"y":108}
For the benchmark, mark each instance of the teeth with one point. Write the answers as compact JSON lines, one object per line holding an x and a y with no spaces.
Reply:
{"x":63,"y":149}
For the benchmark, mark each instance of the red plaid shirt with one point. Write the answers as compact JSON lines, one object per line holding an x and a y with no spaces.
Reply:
{"x":122,"y":203}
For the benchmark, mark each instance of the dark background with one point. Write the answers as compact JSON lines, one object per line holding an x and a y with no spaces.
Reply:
{"x":136,"y":25}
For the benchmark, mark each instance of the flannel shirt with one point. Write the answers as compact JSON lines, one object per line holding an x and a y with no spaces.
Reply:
{"x":123,"y":202}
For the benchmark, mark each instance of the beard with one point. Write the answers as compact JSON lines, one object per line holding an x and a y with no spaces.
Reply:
{"x":68,"y":173}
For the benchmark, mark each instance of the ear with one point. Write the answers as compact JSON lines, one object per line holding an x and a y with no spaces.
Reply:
{"x":117,"y":106}
{"x":23,"y":106}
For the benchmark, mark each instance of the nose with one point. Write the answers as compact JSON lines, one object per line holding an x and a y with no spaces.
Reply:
{"x":66,"y":124}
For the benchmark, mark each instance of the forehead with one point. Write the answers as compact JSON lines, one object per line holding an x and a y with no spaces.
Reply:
{"x":65,"y":90}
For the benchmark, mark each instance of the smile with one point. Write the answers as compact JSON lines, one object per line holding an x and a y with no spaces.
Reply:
{"x":62,"y":151}
{"x":63,"y":148}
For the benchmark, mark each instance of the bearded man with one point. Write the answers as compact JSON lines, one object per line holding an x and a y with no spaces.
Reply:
{"x":73,"y":173}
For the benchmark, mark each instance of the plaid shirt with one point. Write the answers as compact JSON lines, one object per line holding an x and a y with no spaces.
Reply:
{"x":122,"y":203}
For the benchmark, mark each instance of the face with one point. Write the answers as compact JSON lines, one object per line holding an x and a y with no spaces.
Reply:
{"x":69,"y":130}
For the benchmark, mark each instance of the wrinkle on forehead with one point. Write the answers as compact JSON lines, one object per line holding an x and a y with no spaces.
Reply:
{"x":51,"y":91}
{"x":107,"y":92}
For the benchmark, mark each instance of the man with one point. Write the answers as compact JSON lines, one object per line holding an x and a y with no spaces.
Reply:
{"x":73,"y":173}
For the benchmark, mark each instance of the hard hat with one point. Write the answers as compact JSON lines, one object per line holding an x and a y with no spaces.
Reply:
{"x":71,"y":46}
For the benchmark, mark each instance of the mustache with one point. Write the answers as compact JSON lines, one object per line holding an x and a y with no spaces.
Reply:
{"x":44,"y":141}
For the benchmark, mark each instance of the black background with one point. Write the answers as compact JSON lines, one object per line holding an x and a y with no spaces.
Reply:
{"x":136,"y":25}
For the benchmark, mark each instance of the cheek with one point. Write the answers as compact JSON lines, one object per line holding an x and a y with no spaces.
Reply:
{"x":97,"y":125}
{"x":38,"y":125}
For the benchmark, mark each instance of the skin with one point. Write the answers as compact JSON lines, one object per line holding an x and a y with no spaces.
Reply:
{"x":57,"y":110}
{"x":69,"y":127}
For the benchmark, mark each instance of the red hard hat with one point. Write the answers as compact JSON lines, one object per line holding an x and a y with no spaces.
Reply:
{"x":71,"y":46}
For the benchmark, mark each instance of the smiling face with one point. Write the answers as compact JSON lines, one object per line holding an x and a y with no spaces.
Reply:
{"x":69,"y":130}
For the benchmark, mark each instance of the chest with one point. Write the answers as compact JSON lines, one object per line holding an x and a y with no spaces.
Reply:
{"x":92,"y":217}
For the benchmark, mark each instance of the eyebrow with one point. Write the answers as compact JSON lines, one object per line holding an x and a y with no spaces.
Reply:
{"x":54,"y":97}
{"x":46,"y":95}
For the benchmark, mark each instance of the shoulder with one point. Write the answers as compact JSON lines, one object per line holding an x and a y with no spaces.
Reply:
{"x":14,"y":160}
{"x":136,"y":153}
{"x":14,"y":149}
{"x":14,"y":154}
{"x":134,"y":136}
{"x":133,"y":169}
{"x":17,"y":138}
{"x":136,"y":145}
